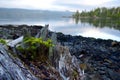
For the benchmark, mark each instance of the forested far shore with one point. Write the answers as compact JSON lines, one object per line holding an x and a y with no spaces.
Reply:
{"x":109,"y":13}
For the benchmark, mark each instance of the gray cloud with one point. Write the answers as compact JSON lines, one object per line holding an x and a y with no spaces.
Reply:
{"x":114,"y":3}
{"x":77,"y":6}
{"x":80,"y":6}
{"x":58,"y":4}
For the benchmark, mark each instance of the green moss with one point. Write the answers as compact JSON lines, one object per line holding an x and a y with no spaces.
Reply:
{"x":75,"y":74}
{"x":3,"y":41}
{"x":35,"y":48}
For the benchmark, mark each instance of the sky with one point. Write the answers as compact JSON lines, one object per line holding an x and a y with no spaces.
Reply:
{"x":59,"y":5}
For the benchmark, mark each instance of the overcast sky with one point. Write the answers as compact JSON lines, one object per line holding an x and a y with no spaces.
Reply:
{"x":59,"y":5}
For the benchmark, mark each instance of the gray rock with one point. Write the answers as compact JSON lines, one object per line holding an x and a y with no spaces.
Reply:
{"x":105,"y":78}
{"x":113,"y":75}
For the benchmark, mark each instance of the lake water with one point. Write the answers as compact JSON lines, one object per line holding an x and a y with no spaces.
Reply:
{"x":84,"y":27}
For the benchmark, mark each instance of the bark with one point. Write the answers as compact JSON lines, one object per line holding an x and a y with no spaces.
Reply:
{"x":12,"y":68}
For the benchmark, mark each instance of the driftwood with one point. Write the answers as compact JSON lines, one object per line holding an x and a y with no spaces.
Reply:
{"x":43,"y":33}
{"x":11,"y":68}
{"x":15,"y":42}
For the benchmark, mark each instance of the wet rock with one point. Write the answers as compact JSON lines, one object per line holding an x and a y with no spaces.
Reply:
{"x":13,"y":31}
{"x":105,"y":78}
{"x":95,"y":77}
{"x":113,"y":75}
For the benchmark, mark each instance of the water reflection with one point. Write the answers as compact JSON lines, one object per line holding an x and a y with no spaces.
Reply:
{"x":111,"y":23}
{"x":97,"y":28}
{"x":105,"y":33}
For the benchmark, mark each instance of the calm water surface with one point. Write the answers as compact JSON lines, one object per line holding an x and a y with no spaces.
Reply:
{"x":87,"y":28}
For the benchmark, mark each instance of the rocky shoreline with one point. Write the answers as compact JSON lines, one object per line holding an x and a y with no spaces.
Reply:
{"x":99,"y":59}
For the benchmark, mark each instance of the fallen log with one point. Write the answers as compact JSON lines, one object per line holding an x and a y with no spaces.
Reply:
{"x":15,"y":42}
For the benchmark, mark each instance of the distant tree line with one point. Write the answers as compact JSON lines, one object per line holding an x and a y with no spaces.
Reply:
{"x":103,"y":12}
